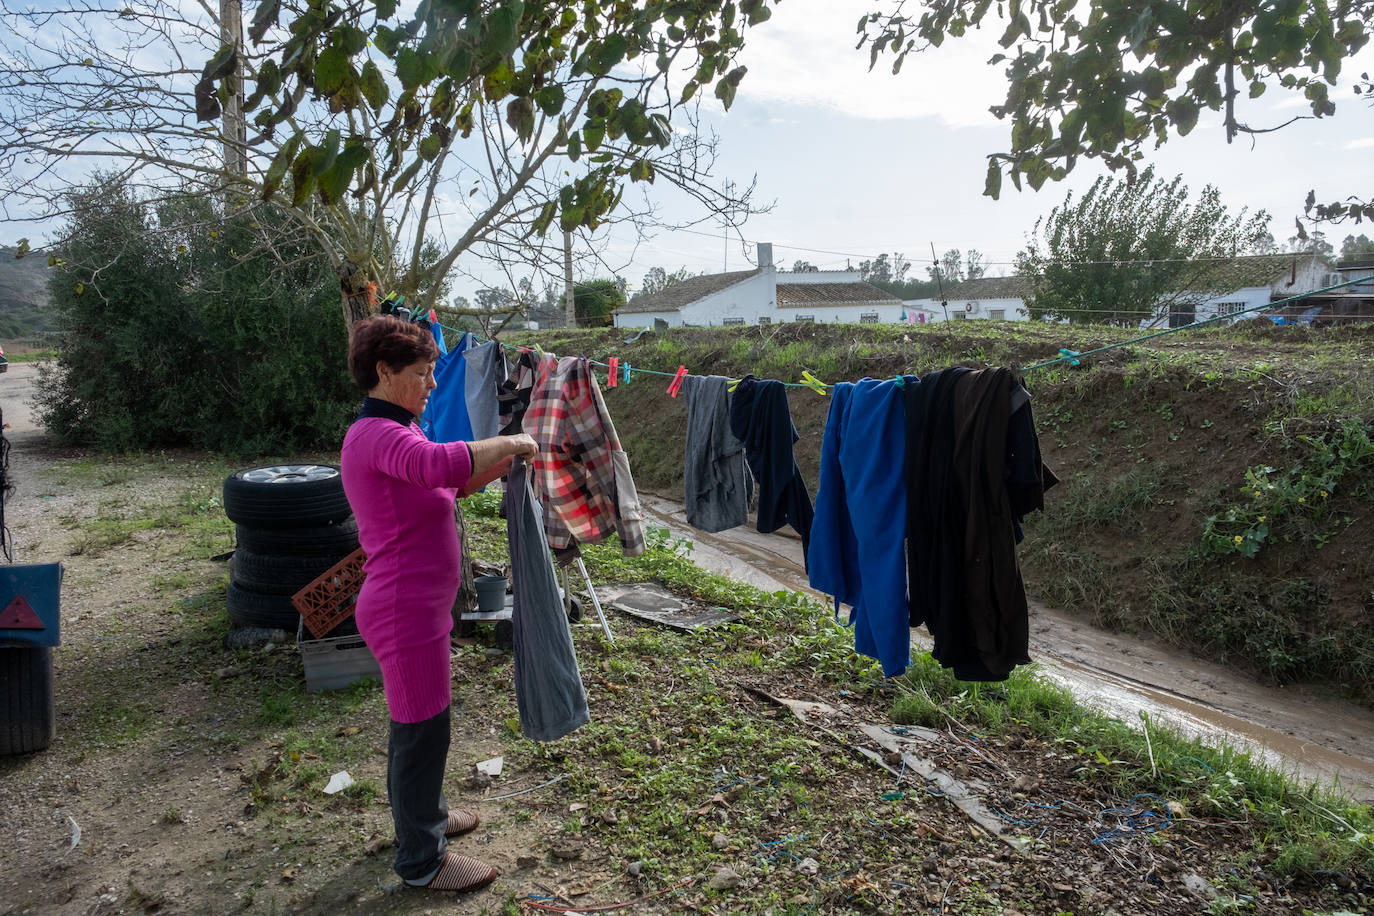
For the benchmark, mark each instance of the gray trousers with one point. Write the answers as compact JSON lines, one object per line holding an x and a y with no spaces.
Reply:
{"x":416,"y":757}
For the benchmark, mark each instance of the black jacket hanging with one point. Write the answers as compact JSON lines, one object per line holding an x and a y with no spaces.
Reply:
{"x":973,"y":468}
{"x":759,"y":417}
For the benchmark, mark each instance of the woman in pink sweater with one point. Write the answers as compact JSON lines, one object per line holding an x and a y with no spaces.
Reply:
{"x":402,"y":488}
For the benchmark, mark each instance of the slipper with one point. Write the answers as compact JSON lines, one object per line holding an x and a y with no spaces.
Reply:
{"x":461,"y":822}
{"x":461,"y":873}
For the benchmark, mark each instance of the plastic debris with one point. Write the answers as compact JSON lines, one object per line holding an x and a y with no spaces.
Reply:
{"x":491,"y":767}
{"x":338,"y":782}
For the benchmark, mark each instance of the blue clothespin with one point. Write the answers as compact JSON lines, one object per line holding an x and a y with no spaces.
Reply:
{"x":627,"y":373}
{"x":1074,"y":354}
{"x":901,"y":381}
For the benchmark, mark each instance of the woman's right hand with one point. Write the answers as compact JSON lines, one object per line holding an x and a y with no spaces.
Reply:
{"x":522,"y":445}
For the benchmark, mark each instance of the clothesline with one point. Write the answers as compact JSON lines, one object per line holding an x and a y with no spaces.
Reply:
{"x":1070,"y":357}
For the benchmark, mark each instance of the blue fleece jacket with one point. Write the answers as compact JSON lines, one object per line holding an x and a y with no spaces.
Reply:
{"x":858,"y":532}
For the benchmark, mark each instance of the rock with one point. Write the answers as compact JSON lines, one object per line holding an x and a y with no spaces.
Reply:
{"x":567,"y":850}
{"x":377,"y":844}
{"x":228,"y":673}
{"x":526,"y":861}
{"x":477,"y":781}
{"x":1200,"y":886}
{"x":610,"y":817}
{"x":720,"y":841}
{"x":1025,"y":783}
{"x":656,"y":744}
{"x":635,"y":869}
{"x":808,"y":866}
{"x":724,"y":880}
{"x":242,"y":637}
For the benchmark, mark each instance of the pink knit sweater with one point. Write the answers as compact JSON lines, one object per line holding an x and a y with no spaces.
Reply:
{"x":402,"y":487}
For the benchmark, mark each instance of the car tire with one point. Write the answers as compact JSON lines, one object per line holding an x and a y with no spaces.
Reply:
{"x":28,"y":717}
{"x":286,"y":496}
{"x":269,"y":574}
{"x":336,"y":540}
{"x":255,"y":609}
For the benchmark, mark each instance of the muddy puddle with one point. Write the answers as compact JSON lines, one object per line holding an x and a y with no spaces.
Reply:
{"x":1317,"y":739}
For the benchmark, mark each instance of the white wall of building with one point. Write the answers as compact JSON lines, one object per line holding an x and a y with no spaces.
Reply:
{"x":645,"y":319}
{"x":1011,"y":308}
{"x":742,"y":303}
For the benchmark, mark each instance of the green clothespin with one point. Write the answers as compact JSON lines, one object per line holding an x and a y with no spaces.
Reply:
{"x":815,"y":384}
{"x":734,"y":383}
{"x":1072,"y":356}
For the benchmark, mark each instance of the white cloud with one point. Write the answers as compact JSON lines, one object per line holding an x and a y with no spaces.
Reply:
{"x":1362,"y":143}
{"x":805,"y":55}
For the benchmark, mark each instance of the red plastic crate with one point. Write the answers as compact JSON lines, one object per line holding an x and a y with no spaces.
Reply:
{"x":330,"y":599}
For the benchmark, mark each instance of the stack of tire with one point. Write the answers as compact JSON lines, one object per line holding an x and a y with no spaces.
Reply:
{"x":292,"y":522}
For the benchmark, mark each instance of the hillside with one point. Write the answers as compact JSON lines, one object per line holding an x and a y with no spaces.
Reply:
{"x":23,"y":295}
{"x":1150,"y":441}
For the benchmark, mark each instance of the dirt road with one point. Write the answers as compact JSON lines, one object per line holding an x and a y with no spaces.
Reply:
{"x":1320,"y":739}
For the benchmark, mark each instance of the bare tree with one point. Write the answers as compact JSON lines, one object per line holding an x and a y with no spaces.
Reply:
{"x":474,"y":125}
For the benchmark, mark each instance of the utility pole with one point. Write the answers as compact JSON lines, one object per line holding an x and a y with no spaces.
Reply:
{"x":571,"y":313}
{"x":235,"y":128}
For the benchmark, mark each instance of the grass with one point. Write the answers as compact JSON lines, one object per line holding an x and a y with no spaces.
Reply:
{"x":1297,"y":830}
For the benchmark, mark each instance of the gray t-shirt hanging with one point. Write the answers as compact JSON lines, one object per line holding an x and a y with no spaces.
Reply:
{"x":548,"y":686}
{"x":479,"y":388}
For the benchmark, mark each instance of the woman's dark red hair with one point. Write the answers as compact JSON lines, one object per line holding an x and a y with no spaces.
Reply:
{"x":386,"y":339}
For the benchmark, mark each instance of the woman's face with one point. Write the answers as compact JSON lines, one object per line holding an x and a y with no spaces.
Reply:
{"x":409,"y":387}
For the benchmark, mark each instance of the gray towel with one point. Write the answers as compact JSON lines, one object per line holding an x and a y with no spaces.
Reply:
{"x":548,"y":687}
{"x":479,"y":389}
{"x":715,"y":475}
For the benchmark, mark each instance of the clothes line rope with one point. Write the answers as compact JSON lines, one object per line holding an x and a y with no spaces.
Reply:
{"x":1070,"y":357}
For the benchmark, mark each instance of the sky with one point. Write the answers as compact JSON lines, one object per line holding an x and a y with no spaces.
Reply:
{"x":861,"y":162}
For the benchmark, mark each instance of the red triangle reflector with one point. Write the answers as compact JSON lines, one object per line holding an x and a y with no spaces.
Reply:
{"x":18,"y":615}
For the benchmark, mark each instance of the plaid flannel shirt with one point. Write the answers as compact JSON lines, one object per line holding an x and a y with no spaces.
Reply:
{"x":581,"y":474}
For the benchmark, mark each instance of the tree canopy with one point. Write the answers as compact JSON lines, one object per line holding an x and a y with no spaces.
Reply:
{"x":477,"y":125}
{"x":1105,"y":79}
{"x":1126,"y":252}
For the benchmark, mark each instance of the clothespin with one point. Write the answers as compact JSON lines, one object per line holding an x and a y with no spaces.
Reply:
{"x":433,"y":316}
{"x":1073,"y":354}
{"x":539,"y":352}
{"x":676,"y":384}
{"x":815,"y":384}
{"x":734,"y":383}
{"x":612,"y":371}
{"x":626,"y":370}
{"x":901,"y":381}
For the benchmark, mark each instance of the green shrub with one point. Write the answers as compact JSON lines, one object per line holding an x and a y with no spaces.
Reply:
{"x":181,"y":326}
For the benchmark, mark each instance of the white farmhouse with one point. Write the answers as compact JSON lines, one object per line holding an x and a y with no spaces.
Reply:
{"x":764,"y":295}
{"x":1255,"y":281}
{"x":985,"y":298}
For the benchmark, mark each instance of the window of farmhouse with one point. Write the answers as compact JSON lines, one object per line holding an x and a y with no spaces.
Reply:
{"x":868,"y":318}
{"x":997,"y":314}
{"x":732,"y":321}
{"x":764,"y":319}
{"x":1229,"y":308}
{"x":806,"y":317}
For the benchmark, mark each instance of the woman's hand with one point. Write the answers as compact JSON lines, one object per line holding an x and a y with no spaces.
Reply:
{"x":522,"y":446}
{"x":491,"y":458}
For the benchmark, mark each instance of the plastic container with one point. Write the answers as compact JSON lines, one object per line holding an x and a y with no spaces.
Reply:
{"x":337,"y":662}
{"x":491,"y":594}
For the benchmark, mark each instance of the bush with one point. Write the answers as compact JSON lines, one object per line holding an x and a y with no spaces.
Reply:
{"x":181,"y":326}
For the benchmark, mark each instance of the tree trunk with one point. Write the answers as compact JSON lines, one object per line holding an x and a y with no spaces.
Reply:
{"x":358,"y":292}
{"x":466,"y":601}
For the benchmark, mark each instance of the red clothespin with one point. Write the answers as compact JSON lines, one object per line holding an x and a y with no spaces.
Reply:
{"x":676,"y":384}
{"x":433,"y":316}
{"x":611,"y":374}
